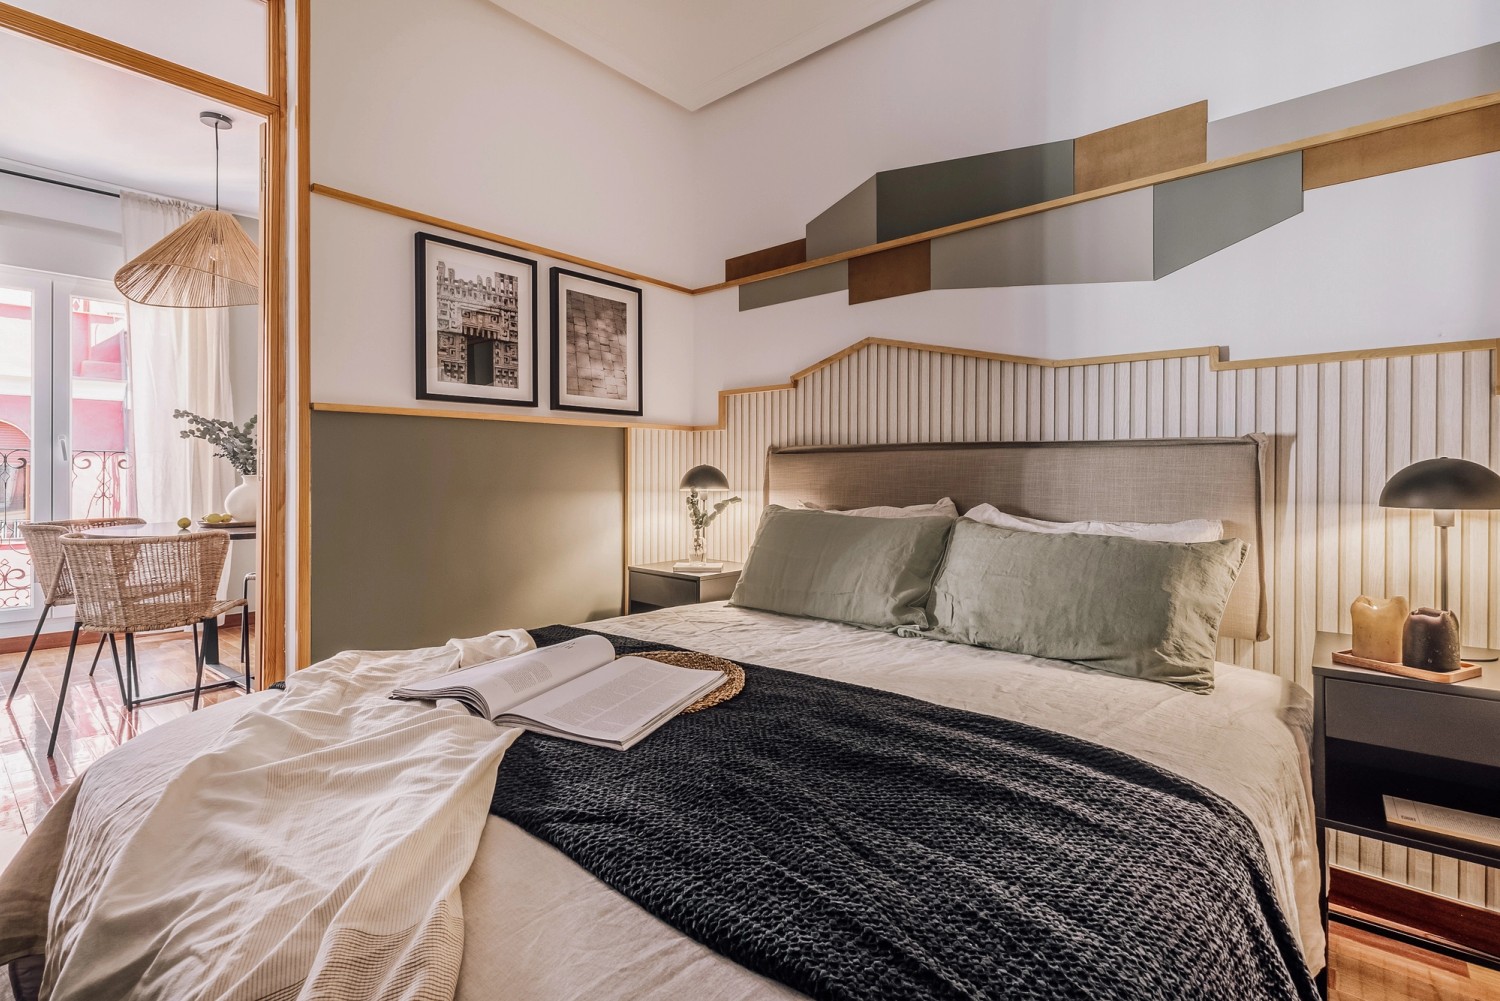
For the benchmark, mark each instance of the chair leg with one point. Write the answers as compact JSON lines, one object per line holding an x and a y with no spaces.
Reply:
{"x":114,"y":651}
{"x":97,"y":652}
{"x":197,"y":685}
{"x":245,"y":628}
{"x":132,"y":677}
{"x":62,"y":692}
{"x":41,"y":620}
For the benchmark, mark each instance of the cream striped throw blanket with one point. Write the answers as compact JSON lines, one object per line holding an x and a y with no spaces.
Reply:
{"x":313,"y":849}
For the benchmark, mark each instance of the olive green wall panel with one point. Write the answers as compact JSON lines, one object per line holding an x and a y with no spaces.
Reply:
{"x":427,"y":528}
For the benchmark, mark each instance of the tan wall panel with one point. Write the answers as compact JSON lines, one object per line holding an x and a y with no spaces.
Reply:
{"x":901,"y":271}
{"x":760,"y":261}
{"x":1154,"y":145}
{"x":1338,"y":430}
{"x":424,"y":529}
{"x":1468,"y":133}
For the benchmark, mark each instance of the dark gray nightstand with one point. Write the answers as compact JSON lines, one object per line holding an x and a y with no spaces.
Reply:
{"x":1378,"y":734}
{"x":655,"y":585}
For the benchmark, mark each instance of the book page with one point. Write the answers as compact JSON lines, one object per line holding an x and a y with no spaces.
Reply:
{"x":507,"y":682}
{"x":618,"y":701}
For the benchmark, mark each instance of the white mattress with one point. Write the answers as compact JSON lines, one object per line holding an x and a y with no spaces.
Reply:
{"x":538,"y":926}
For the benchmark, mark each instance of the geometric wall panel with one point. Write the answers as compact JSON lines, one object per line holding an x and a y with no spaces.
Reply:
{"x":797,"y":285}
{"x":1105,"y":240}
{"x":1154,"y":145}
{"x":907,"y":200}
{"x":1411,"y":88}
{"x":1201,"y":215}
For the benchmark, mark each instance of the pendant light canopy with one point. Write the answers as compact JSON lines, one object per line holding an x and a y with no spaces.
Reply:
{"x":207,"y":261}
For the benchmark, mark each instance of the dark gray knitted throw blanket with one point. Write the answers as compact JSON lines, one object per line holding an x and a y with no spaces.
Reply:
{"x":856,"y":844}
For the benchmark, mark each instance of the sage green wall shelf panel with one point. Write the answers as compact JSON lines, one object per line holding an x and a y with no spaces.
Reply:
{"x":797,"y":285}
{"x":1411,"y":88}
{"x":1199,"y":216}
{"x":424,"y":528}
{"x":1105,"y":240}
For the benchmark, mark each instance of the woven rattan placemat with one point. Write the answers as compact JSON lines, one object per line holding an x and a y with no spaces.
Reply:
{"x":734,"y":675}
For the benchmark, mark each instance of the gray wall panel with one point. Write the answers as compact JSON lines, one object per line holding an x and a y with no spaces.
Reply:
{"x":1201,"y":215}
{"x":916,"y":199}
{"x":1425,"y":85}
{"x":1105,"y":240}
{"x":846,"y":224}
{"x":426,"y":528}
{"x":797,"y":285}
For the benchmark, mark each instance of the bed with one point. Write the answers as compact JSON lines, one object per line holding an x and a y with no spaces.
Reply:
{"x":540,"y":926}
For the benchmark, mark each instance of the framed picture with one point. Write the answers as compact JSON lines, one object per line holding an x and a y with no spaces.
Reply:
{"x":596,"y":344}
{"x":476,"y":324}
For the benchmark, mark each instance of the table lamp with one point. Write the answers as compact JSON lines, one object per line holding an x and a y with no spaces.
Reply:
{"x":702,"y":479}
{"x":1443,"y":486}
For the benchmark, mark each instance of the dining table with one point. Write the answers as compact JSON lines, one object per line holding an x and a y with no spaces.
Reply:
{"x":238,"y":532}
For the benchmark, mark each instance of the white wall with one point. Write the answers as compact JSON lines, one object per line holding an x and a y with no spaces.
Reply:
{"x":225,"y":38}
{"x":462,"y":111}
{"x":50,"y":228}
{"x":1401,"y":259}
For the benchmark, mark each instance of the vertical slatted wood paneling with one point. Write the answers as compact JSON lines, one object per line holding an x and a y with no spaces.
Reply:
{"x":1337,"y":430}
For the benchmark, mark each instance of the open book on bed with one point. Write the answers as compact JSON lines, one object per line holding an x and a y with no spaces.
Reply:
{"x":576,"y":690}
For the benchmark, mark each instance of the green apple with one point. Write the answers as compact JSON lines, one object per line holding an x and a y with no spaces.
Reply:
{"x":184,"y":523}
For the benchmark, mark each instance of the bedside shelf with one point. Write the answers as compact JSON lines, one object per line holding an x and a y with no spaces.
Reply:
{"x":1353,"y":803}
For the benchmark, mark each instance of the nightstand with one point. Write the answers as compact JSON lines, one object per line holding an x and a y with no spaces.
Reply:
{"x":1378,"y":734}
{"x":656,"y":585}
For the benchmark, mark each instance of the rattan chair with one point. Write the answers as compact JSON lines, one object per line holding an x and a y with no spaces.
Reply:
{"x":140,"y":585}
{"x":50,"y":571}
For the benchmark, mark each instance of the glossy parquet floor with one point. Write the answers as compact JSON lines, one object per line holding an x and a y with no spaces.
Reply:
{"x":94,"y":719}
{"x":1364,"y":967}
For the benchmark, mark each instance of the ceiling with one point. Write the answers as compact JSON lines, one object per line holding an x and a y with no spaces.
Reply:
{"x":694,"y":52}
{"x":66,"y":113}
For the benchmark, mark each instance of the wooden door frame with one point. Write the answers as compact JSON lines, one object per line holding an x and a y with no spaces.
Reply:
{"x":272,"y":106}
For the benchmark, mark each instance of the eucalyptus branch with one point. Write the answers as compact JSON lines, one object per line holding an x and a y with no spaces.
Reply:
{"x":230,"y":440}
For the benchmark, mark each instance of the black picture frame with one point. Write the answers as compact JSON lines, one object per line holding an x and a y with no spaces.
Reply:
{"x":630,"y":296}
{"x":428,"y":300}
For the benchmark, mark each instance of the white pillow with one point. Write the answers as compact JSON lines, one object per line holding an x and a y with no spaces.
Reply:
{"x":944,"y":508}
{"x":1192,"y":530}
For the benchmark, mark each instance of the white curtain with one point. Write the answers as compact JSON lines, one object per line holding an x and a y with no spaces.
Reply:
{"x":178,"y":361}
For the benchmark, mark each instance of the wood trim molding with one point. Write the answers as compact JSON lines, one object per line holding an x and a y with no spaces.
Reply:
{"x":509,"y":241}
{"x":302,"y":615}
{"x":1312,"y":142}
{"x":485,"y":415}
{"x":1413,"y":911}
{"x":271,"y":549}
{"x":44,"y":29}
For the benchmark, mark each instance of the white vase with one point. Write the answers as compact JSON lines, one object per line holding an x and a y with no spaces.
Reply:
{"x":243,"y":502}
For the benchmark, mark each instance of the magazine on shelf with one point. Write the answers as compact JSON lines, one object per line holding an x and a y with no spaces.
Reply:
{"x":577,"y":690}
{"x":1474,"y":827}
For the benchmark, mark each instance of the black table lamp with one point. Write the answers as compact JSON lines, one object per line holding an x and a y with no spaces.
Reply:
{"x":702,"y":479}
{"x":1443,"y":486}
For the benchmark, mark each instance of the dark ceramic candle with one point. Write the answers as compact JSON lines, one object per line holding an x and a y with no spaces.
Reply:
{"x":1431,"y":640}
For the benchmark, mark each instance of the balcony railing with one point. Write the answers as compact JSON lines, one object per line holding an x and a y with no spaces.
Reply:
{"x":102,"y":485}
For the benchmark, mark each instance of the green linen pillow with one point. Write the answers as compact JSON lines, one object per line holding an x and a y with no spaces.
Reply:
{"x":1143,"y":609}
{"x":865,"y":571}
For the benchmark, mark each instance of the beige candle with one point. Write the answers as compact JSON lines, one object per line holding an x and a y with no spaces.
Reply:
{"x":1378,"y":627}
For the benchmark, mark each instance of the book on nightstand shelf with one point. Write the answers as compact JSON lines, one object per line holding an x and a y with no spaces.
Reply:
{"x":576,"y":690}
{"x":1474,"y":827}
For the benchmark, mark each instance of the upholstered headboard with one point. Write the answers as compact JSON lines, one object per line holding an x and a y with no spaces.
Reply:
{"x":1160,"y":479}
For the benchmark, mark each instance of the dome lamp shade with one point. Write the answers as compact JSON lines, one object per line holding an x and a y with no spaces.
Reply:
{"x":1443,"y":486}
{"x":704,"y":477}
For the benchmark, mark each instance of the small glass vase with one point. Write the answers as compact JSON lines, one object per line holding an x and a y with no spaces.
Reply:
{"x":698,"y":548}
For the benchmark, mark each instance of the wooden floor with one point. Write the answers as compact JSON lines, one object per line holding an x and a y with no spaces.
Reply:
{"x":94,"y":718}
{"x":1364,"y":967}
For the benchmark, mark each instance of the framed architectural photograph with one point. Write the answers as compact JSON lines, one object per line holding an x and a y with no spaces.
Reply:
{"x":596,"y":344}
{"x":476,"y":324}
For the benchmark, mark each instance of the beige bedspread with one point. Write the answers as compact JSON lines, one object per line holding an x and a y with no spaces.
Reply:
{"x":539,"y":927}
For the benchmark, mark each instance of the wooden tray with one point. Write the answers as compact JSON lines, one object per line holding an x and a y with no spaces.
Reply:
{"x":1464,"y":673}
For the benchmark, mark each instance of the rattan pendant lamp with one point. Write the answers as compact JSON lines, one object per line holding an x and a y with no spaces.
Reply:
{"x":207,"y":261}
